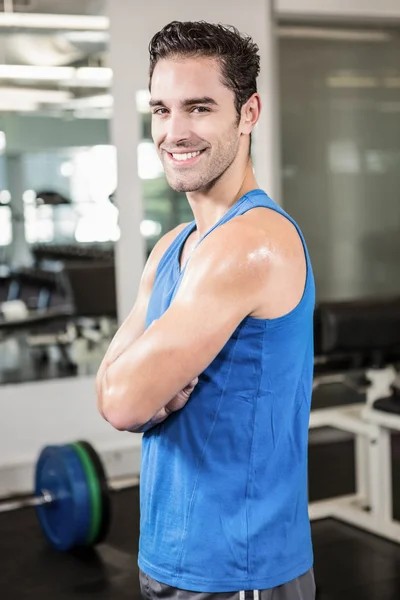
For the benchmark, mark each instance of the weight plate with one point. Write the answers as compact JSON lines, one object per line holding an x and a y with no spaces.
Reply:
{"x":65,"y":521}
{"x":105,"y":493}
{"x":95,"y":495}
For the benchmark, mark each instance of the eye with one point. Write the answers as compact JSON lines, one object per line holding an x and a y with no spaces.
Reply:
{"x":201,"y":109}
{"x":158,"y":111}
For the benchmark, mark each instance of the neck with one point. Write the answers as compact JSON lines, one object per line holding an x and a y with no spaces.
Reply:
{"x":210,"y":205}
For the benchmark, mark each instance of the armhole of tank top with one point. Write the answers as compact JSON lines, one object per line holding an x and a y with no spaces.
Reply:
{"x":252,"y":203}
{"x":175,"y":242}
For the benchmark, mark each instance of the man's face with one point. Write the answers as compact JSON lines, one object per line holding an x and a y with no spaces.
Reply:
{"x":194,"y":122}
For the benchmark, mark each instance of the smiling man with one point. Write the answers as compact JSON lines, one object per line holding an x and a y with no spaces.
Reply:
{"x":215,"y":361}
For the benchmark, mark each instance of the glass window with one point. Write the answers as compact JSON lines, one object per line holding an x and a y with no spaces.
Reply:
{"x":340,"y":124}
{"x":83,"y":180}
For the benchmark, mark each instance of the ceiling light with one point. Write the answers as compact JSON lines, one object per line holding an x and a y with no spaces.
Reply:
{"x":95,"y":101}
{"x":34,"y":95}
{"x":94,"y":73}
{"x":13,"y":20}
{"x":339,"y":35}
{"x":352,"y":81}
{"x":35,"y":73}
{"x":66,"y":76}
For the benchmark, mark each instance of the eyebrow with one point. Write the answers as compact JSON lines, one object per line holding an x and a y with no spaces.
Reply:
{"x":187,"y":102}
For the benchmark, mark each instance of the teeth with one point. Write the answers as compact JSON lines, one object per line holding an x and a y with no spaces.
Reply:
{"x":185,"y":156}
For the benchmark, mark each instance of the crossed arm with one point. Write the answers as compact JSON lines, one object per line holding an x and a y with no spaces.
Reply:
{"x":223,"y":283}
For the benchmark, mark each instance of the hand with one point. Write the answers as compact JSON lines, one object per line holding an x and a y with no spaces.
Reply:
{"x":180,"y":399}
{"x":173,"y":405}
{"x":176,"y":403}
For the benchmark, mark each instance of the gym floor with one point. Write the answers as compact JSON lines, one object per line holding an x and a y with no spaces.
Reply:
{"x":349,"y":564}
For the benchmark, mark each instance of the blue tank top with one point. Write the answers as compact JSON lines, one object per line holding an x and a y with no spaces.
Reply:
{"x":223,"y":489}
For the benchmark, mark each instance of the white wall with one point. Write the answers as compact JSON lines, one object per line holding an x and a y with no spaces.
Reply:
{"x":54,"y":412}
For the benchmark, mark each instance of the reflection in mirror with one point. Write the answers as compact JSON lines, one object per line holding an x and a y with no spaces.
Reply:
{"x":58,"y":210}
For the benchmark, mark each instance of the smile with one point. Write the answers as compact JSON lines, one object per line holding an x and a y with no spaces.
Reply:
{"x":184,"y":157}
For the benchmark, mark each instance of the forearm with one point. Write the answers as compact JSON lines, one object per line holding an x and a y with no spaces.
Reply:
{"x":145,"y":384}
{"x":127,"y":334}
{"x":137,"y":385}
{"x":137,"y":423}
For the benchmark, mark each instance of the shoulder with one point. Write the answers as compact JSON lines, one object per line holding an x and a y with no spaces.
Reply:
{"x":259,"y":255}
{"x":232,"y":256}
{"x":257,"y":238}
{"x":275,"y":230}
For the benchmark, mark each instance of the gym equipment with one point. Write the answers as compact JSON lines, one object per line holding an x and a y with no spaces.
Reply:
{"x":69,"y":309}
{"x":104,"y":492}
{"x":66,"y":512}
{"x":71,"y":498}
{"x":358,"y":344}
{"x":92,"y":531}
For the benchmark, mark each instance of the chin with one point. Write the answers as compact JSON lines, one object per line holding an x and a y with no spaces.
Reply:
{"x":184,"y":186}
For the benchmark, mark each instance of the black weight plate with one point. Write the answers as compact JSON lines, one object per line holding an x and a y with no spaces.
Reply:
{"x":105,"y":493}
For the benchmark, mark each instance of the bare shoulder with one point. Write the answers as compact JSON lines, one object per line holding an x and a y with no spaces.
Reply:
{"x":287,"y":267}
{"x":259,"y":236}
{"x":260,"y":253}
{"x":276,"y":230}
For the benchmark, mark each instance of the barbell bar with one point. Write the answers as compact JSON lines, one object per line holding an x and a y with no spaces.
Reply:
{"x":71,"y":495}
{"x":114,"y":485}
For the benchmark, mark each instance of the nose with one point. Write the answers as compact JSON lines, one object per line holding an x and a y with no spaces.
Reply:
{"x":177,"y":129}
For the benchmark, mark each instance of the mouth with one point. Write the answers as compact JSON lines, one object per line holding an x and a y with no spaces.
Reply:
{"x":184,"y":158}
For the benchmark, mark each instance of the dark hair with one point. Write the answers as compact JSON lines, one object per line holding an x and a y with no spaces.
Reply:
{"x":237,"y":53}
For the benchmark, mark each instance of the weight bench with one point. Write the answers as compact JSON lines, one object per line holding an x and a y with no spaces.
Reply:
{"x":77,"y":315}
{"x":365,"y":336}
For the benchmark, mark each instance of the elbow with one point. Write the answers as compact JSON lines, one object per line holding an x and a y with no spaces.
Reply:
{"x":115,"y":420}
{"x":120,"y":414}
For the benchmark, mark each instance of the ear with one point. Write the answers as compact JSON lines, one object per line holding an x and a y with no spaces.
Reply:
{"x":250,"y":114}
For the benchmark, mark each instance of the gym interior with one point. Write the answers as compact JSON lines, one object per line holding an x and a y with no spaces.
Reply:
{"x":74,"y":238}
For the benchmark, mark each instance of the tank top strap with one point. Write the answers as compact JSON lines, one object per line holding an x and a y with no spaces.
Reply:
{"x":175,"y":247}
{"x":235,"y":210}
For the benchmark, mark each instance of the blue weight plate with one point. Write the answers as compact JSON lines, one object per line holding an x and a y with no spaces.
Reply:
{"x":66,"y":520}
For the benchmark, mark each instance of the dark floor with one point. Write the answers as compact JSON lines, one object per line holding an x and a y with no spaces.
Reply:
{"x":349,"y":564}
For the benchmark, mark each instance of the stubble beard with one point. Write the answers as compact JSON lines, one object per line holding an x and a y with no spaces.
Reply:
{"x":205,"y":176}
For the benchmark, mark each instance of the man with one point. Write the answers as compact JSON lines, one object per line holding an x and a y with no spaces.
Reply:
{"x":215,"y":361}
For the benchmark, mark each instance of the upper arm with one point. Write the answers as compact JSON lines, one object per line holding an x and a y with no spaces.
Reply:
{"x":134,"y":324}
{"x":224,"y":282}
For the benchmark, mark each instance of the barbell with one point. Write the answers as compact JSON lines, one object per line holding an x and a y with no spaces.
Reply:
{"x":71,"y":495}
